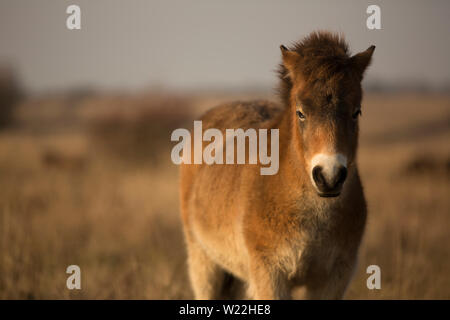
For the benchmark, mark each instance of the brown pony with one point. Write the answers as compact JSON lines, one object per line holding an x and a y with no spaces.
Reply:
{"x":299,"y":229}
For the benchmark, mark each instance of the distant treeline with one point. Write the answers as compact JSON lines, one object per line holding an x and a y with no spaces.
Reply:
{"x":10,"y":95}
{"x":418,"y":87}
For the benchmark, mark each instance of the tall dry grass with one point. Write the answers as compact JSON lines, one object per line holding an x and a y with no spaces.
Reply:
{"x":101,"y":192}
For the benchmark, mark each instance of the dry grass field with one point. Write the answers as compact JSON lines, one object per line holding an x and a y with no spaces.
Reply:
{"x":88,"y":180}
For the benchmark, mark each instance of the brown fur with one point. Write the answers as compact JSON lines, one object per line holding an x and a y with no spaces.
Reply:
{"x":274,"y":232}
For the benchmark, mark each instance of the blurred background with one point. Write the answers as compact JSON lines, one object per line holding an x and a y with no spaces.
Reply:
{"x":86,"y":117}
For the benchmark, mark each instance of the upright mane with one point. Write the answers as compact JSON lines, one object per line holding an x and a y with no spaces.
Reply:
{"x":323,"y":55}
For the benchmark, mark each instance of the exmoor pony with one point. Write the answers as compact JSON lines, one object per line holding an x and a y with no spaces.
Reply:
{"x":299,"y":229}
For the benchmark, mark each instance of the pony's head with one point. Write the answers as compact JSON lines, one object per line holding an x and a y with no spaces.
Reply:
{"x":321,"y":85}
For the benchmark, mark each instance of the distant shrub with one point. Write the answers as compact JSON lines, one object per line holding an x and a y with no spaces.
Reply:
{"x":10,"y":95}
{"x":140,"y":129}
{"x":428,"y":165}
{"x":56,"y":159}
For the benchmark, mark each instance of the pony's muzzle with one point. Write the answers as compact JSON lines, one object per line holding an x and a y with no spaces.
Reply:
{"x":328,"y":173}
{"x":329,"y":185}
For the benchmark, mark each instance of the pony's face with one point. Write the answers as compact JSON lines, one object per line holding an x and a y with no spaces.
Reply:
{"x":327,"y":124}
{"x":326,"y":111}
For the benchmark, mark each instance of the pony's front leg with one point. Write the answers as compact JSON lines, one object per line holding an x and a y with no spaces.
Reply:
{"x":205,"y":275}
{"x":266,"y":282}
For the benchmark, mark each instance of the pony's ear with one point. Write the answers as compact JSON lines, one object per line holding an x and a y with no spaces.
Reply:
{"x":362,"y":60}
{"x":290,"y":59}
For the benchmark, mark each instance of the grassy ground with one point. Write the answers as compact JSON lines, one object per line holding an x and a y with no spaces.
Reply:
{"x":74,"y":190}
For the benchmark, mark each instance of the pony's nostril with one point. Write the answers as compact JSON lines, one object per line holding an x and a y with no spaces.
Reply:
{"x":318,"y":177}
{"x":341,"y":176}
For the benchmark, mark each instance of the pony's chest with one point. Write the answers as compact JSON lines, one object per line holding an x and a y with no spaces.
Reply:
{"x":313,"y":258}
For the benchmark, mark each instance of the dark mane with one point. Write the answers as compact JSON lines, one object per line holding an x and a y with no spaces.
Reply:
{"x":323,"y":55}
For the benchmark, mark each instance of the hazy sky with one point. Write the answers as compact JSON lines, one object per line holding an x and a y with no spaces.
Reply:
{"x":193,"y":44}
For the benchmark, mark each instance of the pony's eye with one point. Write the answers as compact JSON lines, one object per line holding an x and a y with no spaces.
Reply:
{"x":300,"y":115}
{"x":356,"y":114}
